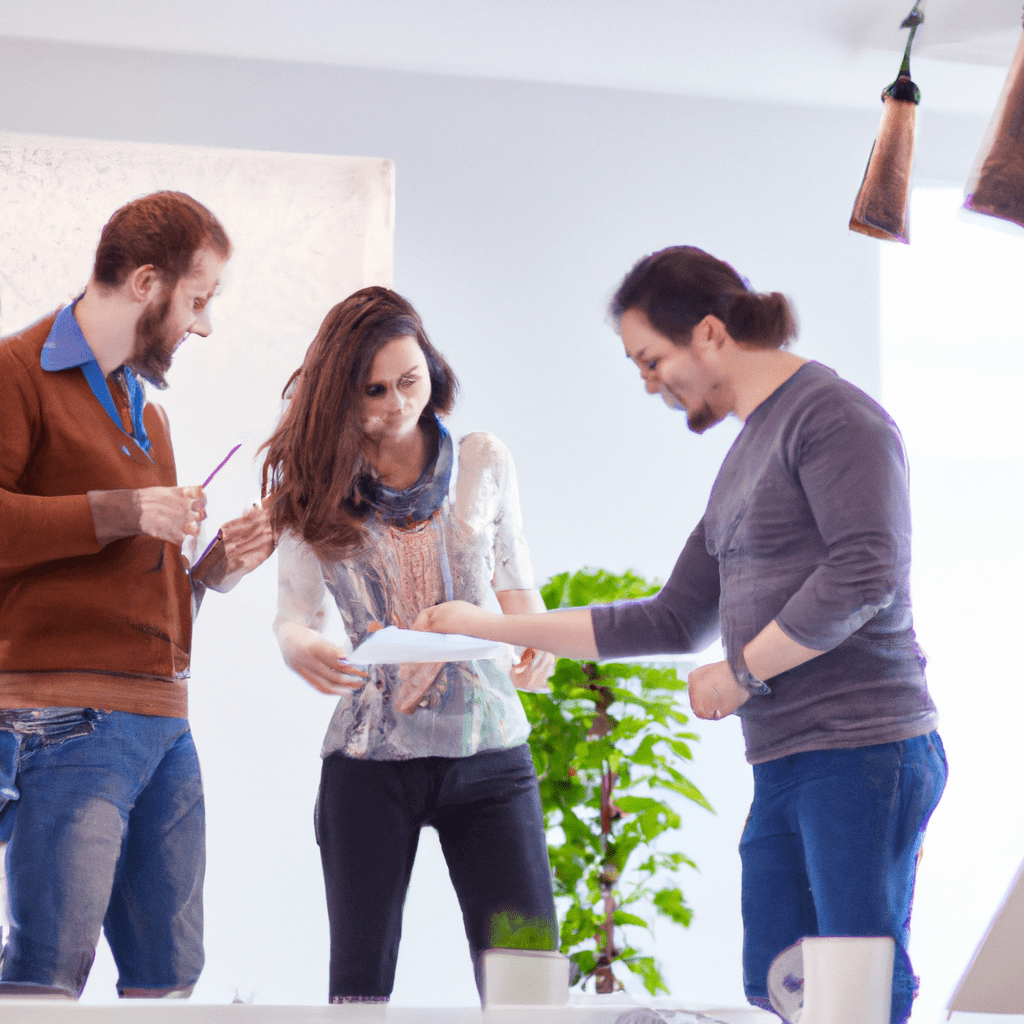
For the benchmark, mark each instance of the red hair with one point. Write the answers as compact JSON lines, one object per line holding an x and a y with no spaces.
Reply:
{"x":164,"y":230}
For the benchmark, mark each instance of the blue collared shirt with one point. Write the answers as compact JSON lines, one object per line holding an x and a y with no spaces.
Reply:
{"x":66,"y":347}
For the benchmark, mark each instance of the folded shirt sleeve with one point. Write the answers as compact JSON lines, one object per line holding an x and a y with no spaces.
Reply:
{"x":852,"y":468}
{"x":487,"y":501}
{"x":302,"y":596}
{"x":681,"y":618}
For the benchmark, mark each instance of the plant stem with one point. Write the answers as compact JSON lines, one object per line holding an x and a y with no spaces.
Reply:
{"x":605,"y":979}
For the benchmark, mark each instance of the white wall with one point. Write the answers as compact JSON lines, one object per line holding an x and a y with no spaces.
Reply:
{"x":519,"y":207}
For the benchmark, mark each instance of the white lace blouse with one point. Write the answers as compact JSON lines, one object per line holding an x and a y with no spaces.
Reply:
{"x":472,"y":541}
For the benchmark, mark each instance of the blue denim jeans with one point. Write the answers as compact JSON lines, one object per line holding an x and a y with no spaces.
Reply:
{"x":830,"y":848}
{"x":107,"y":831}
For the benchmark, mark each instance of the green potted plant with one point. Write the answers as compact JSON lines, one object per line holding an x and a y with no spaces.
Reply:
{"x":607,"y":743}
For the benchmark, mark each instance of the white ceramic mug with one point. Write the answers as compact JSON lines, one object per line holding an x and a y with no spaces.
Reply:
{"x":846,"y":979}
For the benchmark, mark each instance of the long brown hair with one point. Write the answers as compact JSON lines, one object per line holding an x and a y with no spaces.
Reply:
{"x":314,"y":462}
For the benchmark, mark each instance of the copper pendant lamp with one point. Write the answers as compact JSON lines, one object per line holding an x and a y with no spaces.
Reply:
{"x":882,"y":206}
{"x":996,"y":185}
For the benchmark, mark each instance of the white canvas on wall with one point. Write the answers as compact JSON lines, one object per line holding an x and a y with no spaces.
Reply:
{"x":306,"y":230}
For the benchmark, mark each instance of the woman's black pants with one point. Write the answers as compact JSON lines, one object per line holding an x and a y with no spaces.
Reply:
{"x":486,"y":809}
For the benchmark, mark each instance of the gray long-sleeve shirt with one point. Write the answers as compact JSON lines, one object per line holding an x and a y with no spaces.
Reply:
{"x":808,"y":524}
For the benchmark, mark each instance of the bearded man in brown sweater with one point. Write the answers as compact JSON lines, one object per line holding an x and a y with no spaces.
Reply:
{"x":102,"y":803}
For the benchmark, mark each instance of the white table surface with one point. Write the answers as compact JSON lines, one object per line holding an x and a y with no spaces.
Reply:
{"x":50,"y":1011}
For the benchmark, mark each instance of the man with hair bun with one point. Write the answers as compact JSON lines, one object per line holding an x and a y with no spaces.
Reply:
{"x":801,"y":563}
{"x":101,"y":802}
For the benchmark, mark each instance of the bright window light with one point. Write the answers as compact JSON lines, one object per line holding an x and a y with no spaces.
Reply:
{"x":952,"y":377}
{"x":953,"y":334}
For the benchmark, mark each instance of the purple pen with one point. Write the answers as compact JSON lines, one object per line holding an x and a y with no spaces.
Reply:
{"x":221,"y":464}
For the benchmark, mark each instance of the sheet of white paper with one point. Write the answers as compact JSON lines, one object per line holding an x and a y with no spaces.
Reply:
{"x":391,"y":646}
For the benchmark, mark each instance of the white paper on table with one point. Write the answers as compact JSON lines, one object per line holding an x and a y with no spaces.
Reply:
{"x":392,"y":646}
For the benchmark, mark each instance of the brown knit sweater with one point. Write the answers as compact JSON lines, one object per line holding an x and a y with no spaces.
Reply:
{"x":81,"y":625}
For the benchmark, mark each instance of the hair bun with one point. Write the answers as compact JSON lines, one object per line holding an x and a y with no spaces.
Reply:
{"x":679,"y":286}
{"x":766,"y":320}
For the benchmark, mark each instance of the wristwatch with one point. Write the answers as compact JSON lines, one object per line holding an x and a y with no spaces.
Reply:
{"x":744,"y":676}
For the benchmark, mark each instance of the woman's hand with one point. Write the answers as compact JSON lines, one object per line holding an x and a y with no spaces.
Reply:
{"x":317,"y":660}
{"x":714,"y":692}
{"x":457,"y":617}
{"x":242,"y":545}
{"x":535,"y":666}
{"x":533,"y":671}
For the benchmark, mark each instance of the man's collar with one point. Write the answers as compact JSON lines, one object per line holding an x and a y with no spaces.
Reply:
{"x":66,"y":345}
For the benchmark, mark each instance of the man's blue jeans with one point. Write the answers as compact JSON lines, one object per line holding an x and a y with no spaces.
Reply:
{"x":830,"y":848}
{"x":108,"y":832}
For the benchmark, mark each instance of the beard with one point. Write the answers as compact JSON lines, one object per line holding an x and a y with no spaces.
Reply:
{"x":154,"y":348}
{"x":699,"y":419}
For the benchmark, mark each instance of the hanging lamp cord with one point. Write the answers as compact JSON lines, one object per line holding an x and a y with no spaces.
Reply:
{"x":903,"y":88}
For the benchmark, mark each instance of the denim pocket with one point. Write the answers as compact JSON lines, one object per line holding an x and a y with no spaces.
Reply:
{"x":10,"y":745}
{"x":23,"y":730}
{"x":50,"y":725}
{"x":10,"y":748}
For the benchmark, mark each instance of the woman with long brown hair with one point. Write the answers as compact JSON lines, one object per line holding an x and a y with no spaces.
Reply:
{"x":375,"y":509}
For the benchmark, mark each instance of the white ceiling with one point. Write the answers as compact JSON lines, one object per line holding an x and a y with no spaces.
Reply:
{"x":840,"y":52}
